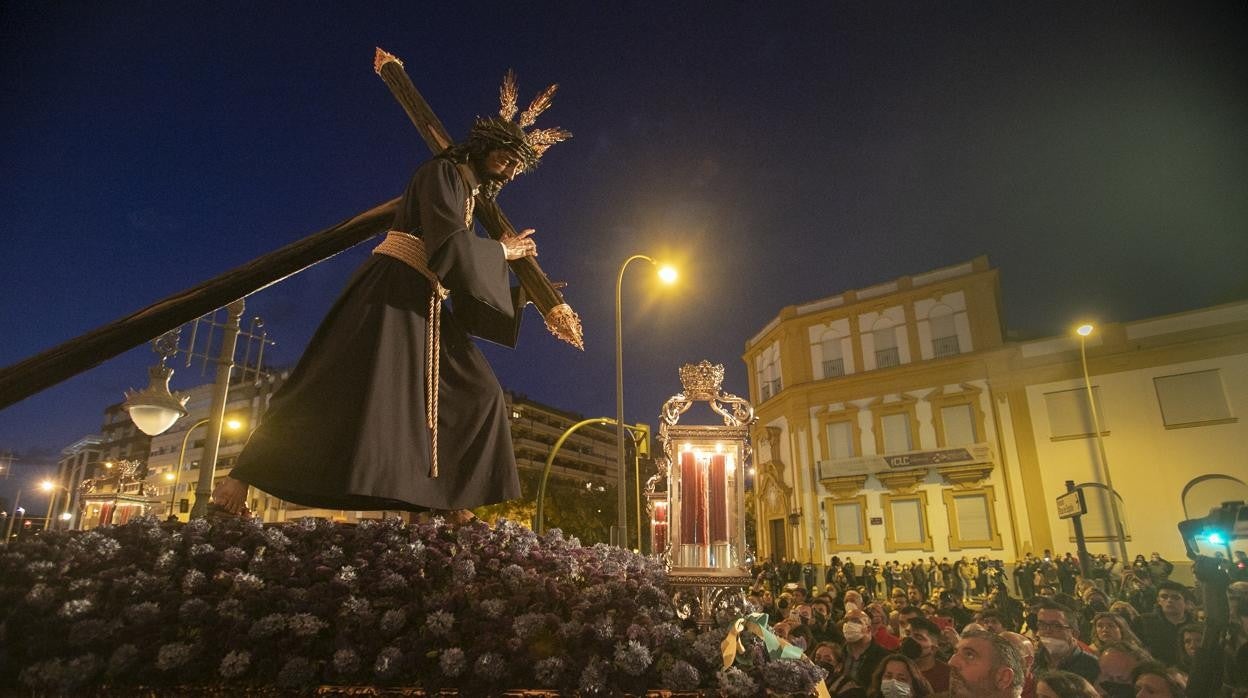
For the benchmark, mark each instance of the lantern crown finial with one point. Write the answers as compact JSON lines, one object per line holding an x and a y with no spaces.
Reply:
{"x":702,"y":380}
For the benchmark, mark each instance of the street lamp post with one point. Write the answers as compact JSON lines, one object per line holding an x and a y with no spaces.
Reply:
{"x":8,"y":529}
{"x":51,"y":488}
{"x":231,"y":424}
{"x":1083,"y":331}
{"x":668,"y":275}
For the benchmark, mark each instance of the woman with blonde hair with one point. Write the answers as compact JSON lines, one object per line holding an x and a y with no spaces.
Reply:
{"x":1110,"y":627}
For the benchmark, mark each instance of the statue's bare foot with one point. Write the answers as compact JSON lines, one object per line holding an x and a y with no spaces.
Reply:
{"x":231,"y":495}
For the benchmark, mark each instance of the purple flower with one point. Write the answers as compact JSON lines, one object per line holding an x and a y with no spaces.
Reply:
{"x":439,"y":623}
{"x":192,"y":581}
{"x":493,"y":608}
{"x":86,"y":632}
{"x":40,"y":595}
{"x":548,"y":671}
{"x":231,"y":609}
{"x":736,"y":683}
{"x":452,"y":662}
{"x":172,"y":655}
{"x":790,"y":675}
{"x":306,"y":625}
{"x":392,"y":622}
{"x":76,"y":608}
{"x":346,"y":662}
{"x":680,"y":676}
{"x":234,"y":664}
{"x":388,"y":662}
{"x":122,"y":659}
{"x":593,"y":677}
{"x":245,"y":581}
{"x":276,"y":539}
{"x":234,"y":556}
{"x":528,"y":624}
{"x":142,"y":613}
{"x":192,"y":611}
{"x":490,"y":666}
{"x":463,"y":569}
{"x":296,"y":672}
{"x":267,"y":626}
{"x":632,"y":658}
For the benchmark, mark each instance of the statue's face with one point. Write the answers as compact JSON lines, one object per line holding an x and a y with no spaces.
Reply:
{"x":500,"y":165}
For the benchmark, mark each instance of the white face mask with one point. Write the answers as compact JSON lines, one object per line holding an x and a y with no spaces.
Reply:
{"x":1055,"y":646}
{"x":853,"y":632}
{"x":892,"y":688}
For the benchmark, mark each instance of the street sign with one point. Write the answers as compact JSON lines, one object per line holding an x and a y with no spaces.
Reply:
{"x":1071,"y":505}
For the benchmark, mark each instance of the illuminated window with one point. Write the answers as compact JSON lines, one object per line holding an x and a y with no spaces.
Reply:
{"x":958,"y":425}
{"x":905,"y":522}
{"x":832,"y":351}
{"x":1192,"y":399}
{"x":972,"y":519}
{"x":944,"y":332}
{"x":1069,"y":416}
{"x":886,"y":353}
{"x":897,"y":436}
{"x":847,"y":524}
{"x":841,"y":440}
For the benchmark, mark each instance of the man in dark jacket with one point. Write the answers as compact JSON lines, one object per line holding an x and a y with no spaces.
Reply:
{"x":1159,"y":630}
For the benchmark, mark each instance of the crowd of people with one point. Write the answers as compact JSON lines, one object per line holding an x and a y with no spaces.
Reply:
{"x":1046,"y":628}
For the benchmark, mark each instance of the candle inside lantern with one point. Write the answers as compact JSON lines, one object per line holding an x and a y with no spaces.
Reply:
{"x":690,"y":498}
{"x":718,"y":500}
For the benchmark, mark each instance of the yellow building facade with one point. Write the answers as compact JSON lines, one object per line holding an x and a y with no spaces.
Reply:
{"x":896,"y":422}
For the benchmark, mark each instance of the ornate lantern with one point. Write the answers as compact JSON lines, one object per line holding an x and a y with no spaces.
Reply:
{"x":705,"y":512}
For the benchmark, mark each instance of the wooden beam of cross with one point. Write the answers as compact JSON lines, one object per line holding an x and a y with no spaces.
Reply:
{"x":561,"y":320}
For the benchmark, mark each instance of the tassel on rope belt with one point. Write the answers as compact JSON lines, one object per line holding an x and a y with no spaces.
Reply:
{"x":410,"y":250}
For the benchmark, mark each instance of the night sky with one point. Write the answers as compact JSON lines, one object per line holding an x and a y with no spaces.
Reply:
{"x":1096,"y":152}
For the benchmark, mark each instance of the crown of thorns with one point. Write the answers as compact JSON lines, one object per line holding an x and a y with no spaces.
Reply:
{"x":502,"y":131}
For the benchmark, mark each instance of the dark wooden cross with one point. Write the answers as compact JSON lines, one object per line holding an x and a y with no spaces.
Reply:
{"x":561,"y":320}
{"x":25,"y":378}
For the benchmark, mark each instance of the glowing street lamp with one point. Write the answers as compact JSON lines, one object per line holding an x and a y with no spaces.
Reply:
{"x":176,"y":475}
{"x":1084,"y":331}
{"x":667,"y":274}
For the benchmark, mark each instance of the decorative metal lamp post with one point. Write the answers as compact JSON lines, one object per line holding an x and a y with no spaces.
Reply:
{"x":706,"y":496}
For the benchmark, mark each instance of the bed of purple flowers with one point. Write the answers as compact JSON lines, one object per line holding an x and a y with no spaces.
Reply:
{"x":239,"y":606}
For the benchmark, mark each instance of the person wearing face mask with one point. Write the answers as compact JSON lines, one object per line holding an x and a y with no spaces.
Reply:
{"x":1056,"y":628}
{"x":1117,"y":662}
{"x":831,"y":658}
{"x":920,"y":645}
{"x":862,"y":653}
{"x":898,"y":677}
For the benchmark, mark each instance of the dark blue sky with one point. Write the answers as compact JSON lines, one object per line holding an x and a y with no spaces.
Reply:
{"x":1097,"y":152}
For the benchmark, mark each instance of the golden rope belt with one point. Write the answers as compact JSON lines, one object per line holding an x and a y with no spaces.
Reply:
{"x":410,"y":250}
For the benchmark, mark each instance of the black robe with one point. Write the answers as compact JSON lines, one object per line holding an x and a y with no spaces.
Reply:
{"x":348,"y":429}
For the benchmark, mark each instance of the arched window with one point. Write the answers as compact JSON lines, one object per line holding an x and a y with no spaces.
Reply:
{"x":1098,"y":523}
{"x":833,"y":354}
{"x":884,"y":335}
{"x":944,"y":331}
{"x":1208,"y":491}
